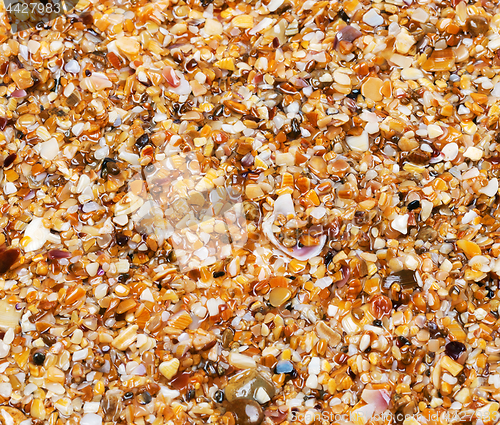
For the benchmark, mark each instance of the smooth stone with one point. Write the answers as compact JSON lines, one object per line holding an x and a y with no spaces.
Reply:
{"x":246,"y":385}
{"x":246,"y":412}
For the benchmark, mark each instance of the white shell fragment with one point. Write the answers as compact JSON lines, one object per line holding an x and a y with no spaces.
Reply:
{"x":38,"y":234}
{"x":358,"y":143}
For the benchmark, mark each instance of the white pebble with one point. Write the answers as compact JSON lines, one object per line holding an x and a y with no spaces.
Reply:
{"x":312,"y":382}
{"x":38,"y":234}
{"x":80,"y":355}
{"x":450,"y":151}
{"x":314,"y":366}
{"x":491,"y":189}
{"x":404,"y":41}
{"x":411,"y":74}
{"x":372,"y":18}
{"x":72,"y":66}
{"x":473,"y":153}
{"x":5,"y":389}
{"x":274,"y":5}
{"x":400,"y":223}
{"x":49,"y":149}
{"x":434,"y":131}
{"x":91,"y":419}
{"x":358,"y":143}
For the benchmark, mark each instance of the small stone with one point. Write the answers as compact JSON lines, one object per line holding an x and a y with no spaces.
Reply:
{"x":372,"y":18}
{"x":358,"y":143}
{"x":470,"y":249}
{"x":243,"y":21}
{"x":450,"y":151}
{"x":91,"y":419}
{"x":341,"y":78}
{"x":440,"y":61}
{"x":279,"y":296}
{"x":420,"y":15}
{"x":284,"y":366}
{"x":491,"y":188}
{"x":7,"y":259}
{"x":371,"y":89}
{"x":400,"y":223}
{"x":49,"y":149}
{"x":434,"y":130}
{"x":404,"y":42}
{"x":15,"y":415}
{"x":128,"y":45}
{"x":318,"y":166}
{"x":411,"y":74}
{"x":213,"y":27}
{"x":22,"y":78}
{"x":473,"y":153}
{"x":249,"y":385}
{"x":477,"y":25}
{"x":413,"y":205}
{"x":246,"y":412}
{"x":169,"y":368}
{"x":240,"y":361}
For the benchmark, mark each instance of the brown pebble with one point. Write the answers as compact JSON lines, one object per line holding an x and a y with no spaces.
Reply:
{"x":246,"y":412}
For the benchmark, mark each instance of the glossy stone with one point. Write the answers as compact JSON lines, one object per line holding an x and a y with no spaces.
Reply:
{"x":454,"y":349}
{"x":249,"y":385}
{"x":246,"y":412}
{"x":8,"y":259}
{"x":477,"y":25}
{"x":284,"y":366}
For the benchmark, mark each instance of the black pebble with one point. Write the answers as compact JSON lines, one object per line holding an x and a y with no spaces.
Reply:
{"x":343,"y":15}
{"x":38,"y":358}
{"x":145,"y":398}
{"x":354,"y":94}
{"x":142,"y":141}
{"x":219,"y":396}
{"x":413,"y":205}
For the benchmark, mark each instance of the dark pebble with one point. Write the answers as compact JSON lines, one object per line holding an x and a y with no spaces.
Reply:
{"x":246,"y":412}
{"x":454,"y":349}
{"x":38,"y":358}
{"x":219,"y":396}
{"x":413,"y":205}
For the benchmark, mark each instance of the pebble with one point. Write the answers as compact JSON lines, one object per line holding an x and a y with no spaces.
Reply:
{"x":450,"y":151}
{"x":318,"y":166}
{"x":249,"y":385}
{"x":434,"y":130}
{"x":169,"y":368}
{"x":372,"y":18}
{"x":473,"y":153}
{"x":358,"y":143}
{"x":371,"y":89}
{"x":341,"y":78}
{"x":404,"y":42}
{"x":491,"y":188}
{"x":284,"y":366}
{"x":128,"y":45}
{"x":279,"y":296}
{"x":400,"y":223}
{"x":49,"y":149}
{"x":246,"y":412}
{"x":91,"y":419}
{"x":411,"y":74}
